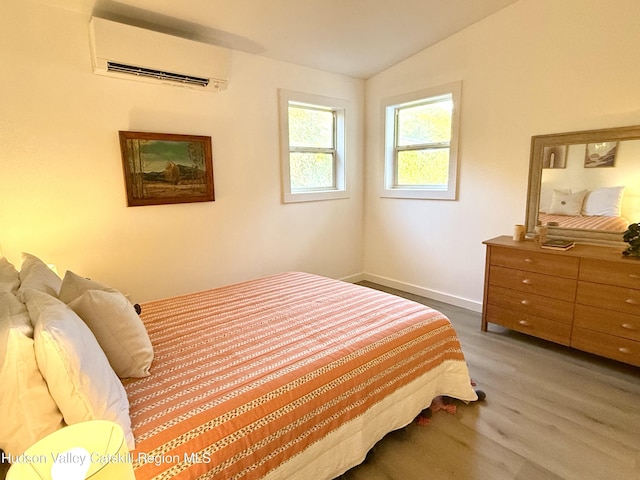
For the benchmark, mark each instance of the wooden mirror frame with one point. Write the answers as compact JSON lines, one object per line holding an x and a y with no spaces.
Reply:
{"x":538,"y":143}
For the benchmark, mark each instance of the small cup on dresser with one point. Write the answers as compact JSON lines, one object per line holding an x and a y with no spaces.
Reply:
{"x":518,"y":233}
{"x":541,"y":233}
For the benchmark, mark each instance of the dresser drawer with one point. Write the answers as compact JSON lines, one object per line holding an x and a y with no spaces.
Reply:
{"x":535,"y":283}
{"x":530,"y":304}
{"x":622,"y":274}
{"x":609,"y":297}
{"x":535,"y":262}
{"x":538,"y":327}
{"x":606,"y":321}
{"x":610,"y":346}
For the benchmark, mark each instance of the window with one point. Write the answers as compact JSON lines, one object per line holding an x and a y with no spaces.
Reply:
{"x":312,"y":143}
{"x":421,"y":144}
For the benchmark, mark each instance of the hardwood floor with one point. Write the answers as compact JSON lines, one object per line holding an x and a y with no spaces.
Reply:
{"x":551,"y":413}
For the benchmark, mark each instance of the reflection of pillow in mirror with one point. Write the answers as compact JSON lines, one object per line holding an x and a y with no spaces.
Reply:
{"x":546,"y":192}
{"x":605,"y":201}
{"x":563,"y":203}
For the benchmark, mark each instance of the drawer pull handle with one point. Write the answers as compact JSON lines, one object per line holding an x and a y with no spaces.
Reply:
{"x":524,"y":323}
{"x":527,"y":302}
{"x":631,"y":301}
{"x":624,"y":350}
{"x":528,"y":260}
{"x":526,"y":281}
{"x":628,"y":326}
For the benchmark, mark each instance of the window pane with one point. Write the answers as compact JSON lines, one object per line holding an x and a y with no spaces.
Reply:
{"x":309,"y":127}
{"x":311,"y":170}
{"x":423,"y":167}
{"x":424,"y":124}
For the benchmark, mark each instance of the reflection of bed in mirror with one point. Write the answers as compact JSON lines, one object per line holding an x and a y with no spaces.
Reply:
{"x":581,"y":199}
{"x":599,"y":223}
{"x":599,"y":209}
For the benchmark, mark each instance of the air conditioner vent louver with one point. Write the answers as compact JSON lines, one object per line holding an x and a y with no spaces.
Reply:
{"x":158,"y":74}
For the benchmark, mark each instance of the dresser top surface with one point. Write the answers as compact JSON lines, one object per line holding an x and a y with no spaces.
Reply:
{"x":600,"y":252}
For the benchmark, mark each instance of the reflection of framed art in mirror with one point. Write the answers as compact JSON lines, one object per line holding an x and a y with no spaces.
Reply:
{"x":554,"y":157}
{"x":601,"y":154}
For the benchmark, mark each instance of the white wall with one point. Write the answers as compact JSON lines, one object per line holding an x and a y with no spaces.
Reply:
{"x":535,"y":67}
{"x":538,"y":66}
{"x":63,"y":196}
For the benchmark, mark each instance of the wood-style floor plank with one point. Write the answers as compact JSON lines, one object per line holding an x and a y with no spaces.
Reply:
{"x":551,"y":413}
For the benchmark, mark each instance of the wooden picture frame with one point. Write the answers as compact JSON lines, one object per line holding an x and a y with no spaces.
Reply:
{"x":163,"y":168}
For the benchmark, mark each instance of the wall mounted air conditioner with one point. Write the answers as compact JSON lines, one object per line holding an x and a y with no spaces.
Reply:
{"x":133,"y":53}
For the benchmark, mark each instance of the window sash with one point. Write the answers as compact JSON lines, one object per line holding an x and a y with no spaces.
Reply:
{"x":431,"y":146}
{"x":339,"y":109}
{"x":302,"y":106}
{"x":401,"y":137}
{"x":419,"y":103}
{"x":433,"y":170}
{"x":332,"y":184}
{"x":332,"y":151}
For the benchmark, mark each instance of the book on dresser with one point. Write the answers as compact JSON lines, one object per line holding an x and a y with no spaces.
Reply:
{"x":558,"y":244}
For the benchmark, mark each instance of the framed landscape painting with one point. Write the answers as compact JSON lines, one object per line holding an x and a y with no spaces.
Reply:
{"x":161,"y":168}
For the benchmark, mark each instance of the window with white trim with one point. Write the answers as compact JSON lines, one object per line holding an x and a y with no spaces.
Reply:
{"x":312,"y":131}
{"x":421,"y":144}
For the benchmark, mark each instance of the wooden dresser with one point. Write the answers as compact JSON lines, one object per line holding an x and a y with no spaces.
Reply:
{"x":587,"y":297}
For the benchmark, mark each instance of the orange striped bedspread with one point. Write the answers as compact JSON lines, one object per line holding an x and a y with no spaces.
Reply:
{"x":247,"y":377}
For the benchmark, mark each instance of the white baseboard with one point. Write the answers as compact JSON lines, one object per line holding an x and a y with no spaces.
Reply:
{"x":359,"y":277}
{"x":423,"y":292}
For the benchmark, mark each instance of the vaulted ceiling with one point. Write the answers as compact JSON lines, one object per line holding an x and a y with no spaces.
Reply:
{"x":358,"y":38}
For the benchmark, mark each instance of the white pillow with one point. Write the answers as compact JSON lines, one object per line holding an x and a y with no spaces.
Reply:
{"x":605,"y":201}
{"x":29,"y":413}
{"x":34,"y":274}
{"x":546,"y":194}
{"x":118,"y":329}
{"x":9,"y":276}
{"x":76,"y":370}
{"x":74,"y":285}
{"x":563,"y":203}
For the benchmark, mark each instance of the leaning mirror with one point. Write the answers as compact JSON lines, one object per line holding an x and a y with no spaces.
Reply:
{"x":585,"y":185}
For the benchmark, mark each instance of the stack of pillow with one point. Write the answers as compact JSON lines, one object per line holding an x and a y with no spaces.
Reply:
{"x":63,"y":345}
{"x":605,"y":201}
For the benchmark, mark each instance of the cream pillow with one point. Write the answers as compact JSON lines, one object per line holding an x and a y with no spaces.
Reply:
{"x":113,"y":321}
{"x":74,"y":285}
{"x":546,"y":194}
{"x":118,"y":329}
{"x":34,"y":274}
{"x":76,"y":370}
{"x":563,"y":203}
{"x":9,"y":276}
{"x":29,"y":413}
{"x":606,"y":201}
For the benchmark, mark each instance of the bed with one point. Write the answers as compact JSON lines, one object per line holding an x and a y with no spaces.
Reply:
{"x":599,"y":209}
{"x":602,"y":223}
{"x":288,"y":376}
{"x":283,"y":377}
